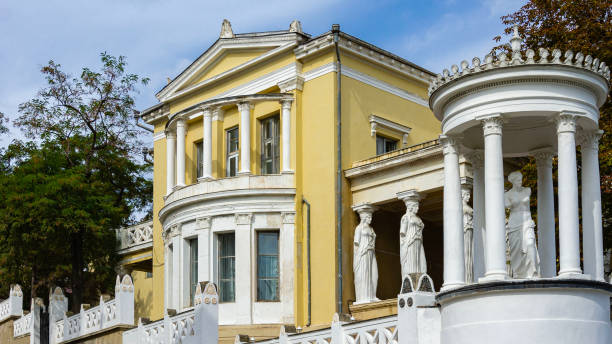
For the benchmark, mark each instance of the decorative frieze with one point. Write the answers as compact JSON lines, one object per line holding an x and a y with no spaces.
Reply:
{"x":204,"y":222}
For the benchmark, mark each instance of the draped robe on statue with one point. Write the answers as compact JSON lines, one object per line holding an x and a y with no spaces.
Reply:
{"x":412,"y":253}
{"x":524,"y":259}
{"x":364,"y":264}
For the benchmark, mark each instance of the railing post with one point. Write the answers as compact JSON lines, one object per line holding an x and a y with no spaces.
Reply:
{"x":282,"y":337}
{"x":15,"y":301}
{"x":58,"y":305}
{"x":206,"y":313}
{"x":337,"y":336}
{"x":124,"y":296}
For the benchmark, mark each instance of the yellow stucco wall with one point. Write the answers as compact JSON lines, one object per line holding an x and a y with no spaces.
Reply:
{"x":228,"y":61}
{"x":313,"y":158}
{"x":143,"y":295}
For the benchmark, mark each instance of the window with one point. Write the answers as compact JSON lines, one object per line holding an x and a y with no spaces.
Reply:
{"x":232,"y":152}
{"x":270,"y":150}
{"x":385,"y":145}
{"x":267,"y":266}
{"x":227,"y":267}
{"x":149,"y":274}
{"x":199,"y":156}
{"x":193,"y":268}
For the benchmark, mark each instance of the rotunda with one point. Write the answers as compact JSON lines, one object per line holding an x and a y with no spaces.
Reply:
{"x":518,"y":106}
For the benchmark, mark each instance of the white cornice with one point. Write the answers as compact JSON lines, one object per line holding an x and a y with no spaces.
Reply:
{"x":159,"y":135}
{"x":376,"y":121}
{"x":171,"y":92}
{"x":320,"y":71}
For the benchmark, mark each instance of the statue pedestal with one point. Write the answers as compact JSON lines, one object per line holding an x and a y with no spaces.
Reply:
{"x":372,"y":310}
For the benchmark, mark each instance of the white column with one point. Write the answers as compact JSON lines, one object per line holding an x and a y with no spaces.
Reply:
{"x":207,"y":145}
{"x":477,"y":160}
{"x":569,"y":237}
{"x":287,"y":273}
{"x":180,"y":152}
{"x":546,"y":215}
{"x":245,"y":137}
{"x":495,"y":214}
{"x":167,"y":276}
{"x":592,"y":235}
{"x":245,"y":277}
{"x":286,"y":134}
{"x":454,"y":268}
{"x":175,"y":293}
{"x":203,"y":224}
{"x":170,"y":161}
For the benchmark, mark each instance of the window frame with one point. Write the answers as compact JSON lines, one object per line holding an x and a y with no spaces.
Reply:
{"x":278,"y":277}
{"x":232,"y":155}
{"x":274,"y":141}
{"x":193,"y":261}
{"x":218,"y":265}
{"x":199,"y":159}
{"x":385,"y":141}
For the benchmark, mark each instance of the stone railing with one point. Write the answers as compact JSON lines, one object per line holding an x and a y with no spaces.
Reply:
{"x":119,"y":311}
{"x":23,"y":325}
{"x":135,"y":237}
{"x":12,"y":307}
{"x":198,"y":325}
{"x":398,"y":152}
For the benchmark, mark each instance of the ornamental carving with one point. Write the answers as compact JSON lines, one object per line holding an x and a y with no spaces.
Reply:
{"x":288,"y":218}
{"x":476,"y":159}
{"x":204,"y":222}
{"x":590,"y":139}
{"x":492,"y":125}
{"x":566,"y":123}
{"x":450,"y":144}
{"x":543,"y":158}
{"x":226,"y":29}
{"x":243,"y":219}
{"x":244,"y":106}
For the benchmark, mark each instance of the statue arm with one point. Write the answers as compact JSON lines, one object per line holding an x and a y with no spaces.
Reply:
{"x":357,"y":237}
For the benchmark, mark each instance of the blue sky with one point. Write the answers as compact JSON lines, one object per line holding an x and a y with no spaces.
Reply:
{"x":161,"y":38}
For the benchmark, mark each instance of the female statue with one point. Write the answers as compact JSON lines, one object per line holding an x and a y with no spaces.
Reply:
{"x":524,"y":259}
{"x":364,"y":260}
{"x":412,"y":254}
{"x":468,"y":236}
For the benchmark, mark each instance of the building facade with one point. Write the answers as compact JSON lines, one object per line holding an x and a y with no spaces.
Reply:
{"x":246,"y":151}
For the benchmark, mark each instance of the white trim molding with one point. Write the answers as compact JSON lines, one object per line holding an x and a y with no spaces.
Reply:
{"x":159,"y":135}
{"x":376,"y":121}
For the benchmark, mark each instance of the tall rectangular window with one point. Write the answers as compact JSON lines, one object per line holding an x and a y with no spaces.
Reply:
{"x":270,"y":148}
{"x":267,"y":266}
{"x":385,"y":145}
{"x":227,"y":267}
{"x":232,"y":149}
{"x":199,"y":159}
{"x":193,"y":268}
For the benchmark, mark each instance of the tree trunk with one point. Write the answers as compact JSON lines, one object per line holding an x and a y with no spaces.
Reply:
{"x":76,"y":247}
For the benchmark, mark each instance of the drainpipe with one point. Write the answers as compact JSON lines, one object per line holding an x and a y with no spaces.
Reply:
{"x":336,"y":31}
{"x":137,"y":117}
{"x":304,"y":201}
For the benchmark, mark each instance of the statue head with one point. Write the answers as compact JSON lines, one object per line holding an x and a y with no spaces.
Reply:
{"x":516,"y":178}
{"x":366,"y":217}
{"x":465,"y":195}
{"x":412,"y":206}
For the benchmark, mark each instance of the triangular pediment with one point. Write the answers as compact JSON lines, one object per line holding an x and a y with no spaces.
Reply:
{"x":227,"y":57}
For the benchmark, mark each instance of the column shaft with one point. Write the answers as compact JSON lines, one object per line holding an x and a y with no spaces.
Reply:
{"x":546,"y":215}
{"x":180,"y":152}
{"x":245,"y":137}
{"x":170,"y":161}
{"x":454,"y":268}
{"x":495,"y":217}
{"x":569,"y":238}
{"x":592,"y":231}
{"x":476,"y":159}
{"x":207,"y":145}
{"x":175,"y":293}
{"x":286,"y":135}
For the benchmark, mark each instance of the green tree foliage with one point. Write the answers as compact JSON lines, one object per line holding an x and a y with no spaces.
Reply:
{"x":66,"y":191}
{"x":581,"y":26}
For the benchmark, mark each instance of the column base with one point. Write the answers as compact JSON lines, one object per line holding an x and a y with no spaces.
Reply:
{"x":494,"y":276}
{"x":243,"y":173}
{"x":573,"y":275}
{"x":451,"y":286}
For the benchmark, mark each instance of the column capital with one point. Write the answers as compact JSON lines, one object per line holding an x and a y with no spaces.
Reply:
{"x":293,"y":83}
{"x":364,"y":208}
{"x":244,"y":218}
{"x":450,"y":144}
{"x":180,"y":122}
{"x":491,"y":124}
{"x":466,"y":182}
{"x":288,"y":217}
{"x":589,"y":139}
{"x":409,"y":196}
{"x":204,"y":222}
{"x":217,"y":114}
{"x":476,"y":158}
{"x":566,"y":123}
{"x":170,"y":134}
{"x":244,"y":106}
{"x":543,"y":157}
{"x":286,"y":104}
{"x":207,"y":112}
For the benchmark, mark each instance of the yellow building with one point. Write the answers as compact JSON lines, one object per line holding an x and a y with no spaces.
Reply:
{"x":247,"y":141}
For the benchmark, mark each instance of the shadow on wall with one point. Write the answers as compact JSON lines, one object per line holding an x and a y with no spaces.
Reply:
{"x":143,"y":297}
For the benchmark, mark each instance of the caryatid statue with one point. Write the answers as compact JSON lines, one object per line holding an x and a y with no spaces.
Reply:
{"x":468,"y":236}
{"x":365,"y":268}
{"x":412,"y":253}
{"x":524,"y":259}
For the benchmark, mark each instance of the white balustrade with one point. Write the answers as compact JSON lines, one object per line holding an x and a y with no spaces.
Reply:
{"x":11,"y":307}
{"x":119,"y":311}
{"x":134,"y":237}
{"x":23,"y":325}
{"x":197,"y":325}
